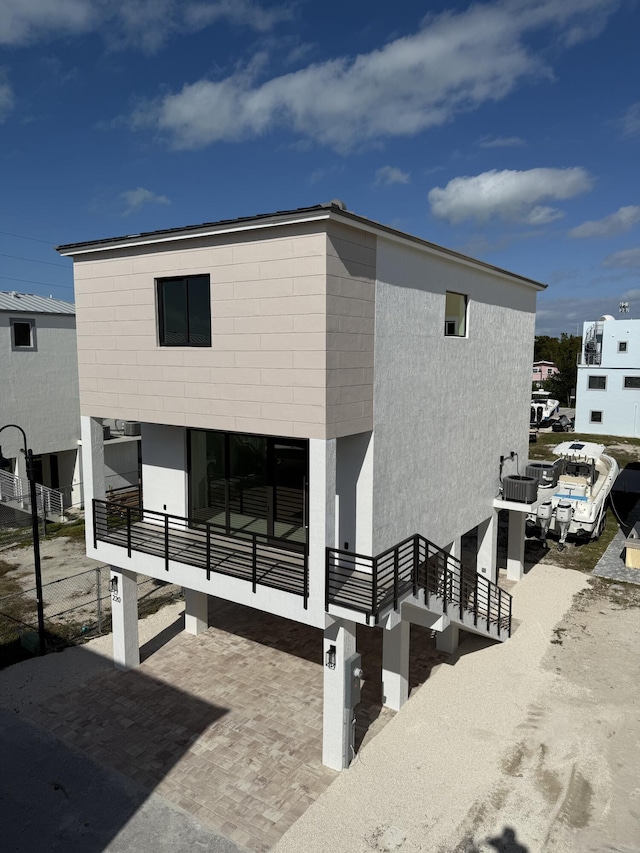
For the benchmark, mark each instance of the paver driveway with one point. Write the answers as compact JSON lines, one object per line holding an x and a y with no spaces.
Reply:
{"x":228,"y":724}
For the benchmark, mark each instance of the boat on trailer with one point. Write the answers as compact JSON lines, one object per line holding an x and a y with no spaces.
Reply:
{"x":577,"y":485}
{"x":543,"y":406}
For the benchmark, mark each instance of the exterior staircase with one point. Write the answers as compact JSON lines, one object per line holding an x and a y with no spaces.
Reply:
{"x":419,"y":573}
{"x":15,"y":494}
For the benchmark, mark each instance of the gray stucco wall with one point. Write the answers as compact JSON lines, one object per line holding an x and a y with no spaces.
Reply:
{"x":39,"y":389}
{"x":445,"y":408}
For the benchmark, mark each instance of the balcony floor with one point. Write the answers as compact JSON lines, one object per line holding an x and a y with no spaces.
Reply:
{"x":227,"y":725}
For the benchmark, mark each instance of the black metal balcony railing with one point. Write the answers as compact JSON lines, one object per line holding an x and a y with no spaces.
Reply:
{"x":370,"y":585}
{"x":254,"y":557}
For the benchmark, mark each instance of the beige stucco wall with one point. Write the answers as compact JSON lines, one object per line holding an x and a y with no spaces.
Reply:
{"x":280,"y":301}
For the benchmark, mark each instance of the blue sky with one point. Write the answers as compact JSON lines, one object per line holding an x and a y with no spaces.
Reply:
{"x":507,"y":130}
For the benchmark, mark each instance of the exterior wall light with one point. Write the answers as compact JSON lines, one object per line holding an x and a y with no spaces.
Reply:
{"x":331,"y":657}
{"x":113,"y":584}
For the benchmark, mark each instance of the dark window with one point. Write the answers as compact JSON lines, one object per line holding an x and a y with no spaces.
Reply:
{"x":632,"y":381}
{"x":184,"y":311}
{"x":622,"y":346}
{"x":248,"y":484}
{"x":23,"y":334}
{"x":455,"y":315}
{"x":596,"y":417}
{"x":598,"y":383}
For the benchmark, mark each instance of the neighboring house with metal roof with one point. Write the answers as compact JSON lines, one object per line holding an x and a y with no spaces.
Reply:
{"x":39,"y":392}
{"x":39,"y":388}
{"x":317,"y":437}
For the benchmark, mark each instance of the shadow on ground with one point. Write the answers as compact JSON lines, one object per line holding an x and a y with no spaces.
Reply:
{"x":56,"y":795}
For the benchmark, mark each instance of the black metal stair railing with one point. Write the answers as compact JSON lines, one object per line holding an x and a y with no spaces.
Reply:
{"x":371,"y":585}
{"x":257,"y":558}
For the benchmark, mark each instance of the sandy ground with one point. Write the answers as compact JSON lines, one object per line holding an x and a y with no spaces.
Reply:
{"x":60,"y":557}
{"x":531,"y":745}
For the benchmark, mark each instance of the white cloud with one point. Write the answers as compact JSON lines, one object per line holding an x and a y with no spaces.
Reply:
{"x":24,"y":21}
{"x":134,"y":23}
{"x":321,"y":175}
{"x":140,"y":197}
{"x":387,"y":175}
{"x":509,"y":195}
{"x":454,"y":63}
{"x":7,"y":99}
{"x":616,"y":223}
{"x":631,"y":121}
{"x":628,"y":259}
{"x":241,"y":12}
{"x":501,"y":142}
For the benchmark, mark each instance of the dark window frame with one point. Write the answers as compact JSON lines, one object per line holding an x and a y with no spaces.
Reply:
{"x":189,"y":338}
{"x":451,"y":325}
{"x":32,"y":346}
{"x":595,"y":417}
{"x":631,"y":387}
{"x":596,"y":387}
{"x":622,"y":346}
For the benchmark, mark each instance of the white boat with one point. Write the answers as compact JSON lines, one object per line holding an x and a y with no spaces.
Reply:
{"x":542,"y":406}
{"x":577,"y":495}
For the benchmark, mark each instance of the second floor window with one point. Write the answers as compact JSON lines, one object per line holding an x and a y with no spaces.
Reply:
{"x":598,"y":382}
{"x":184,"y":311}
{"x":455,"y":317}
{"x":23,"y":334}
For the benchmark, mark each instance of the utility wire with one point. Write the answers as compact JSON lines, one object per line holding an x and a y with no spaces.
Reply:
{"x":34,"y":261}
{"x":32,"y":281}
{"x":24,"y":237}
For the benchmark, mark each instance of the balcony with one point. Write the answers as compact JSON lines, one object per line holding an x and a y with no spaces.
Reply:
{"x":373,"y":585}
{"x":256,"y":558}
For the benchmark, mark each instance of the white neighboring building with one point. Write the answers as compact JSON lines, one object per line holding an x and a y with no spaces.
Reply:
{"x":608,"y":383}
{"x":317,"y":435}
{"x":39,"y":388}
{"x":39,"y":392}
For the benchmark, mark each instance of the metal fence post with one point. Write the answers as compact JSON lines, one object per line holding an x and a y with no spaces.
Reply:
{"x":99,"y":598}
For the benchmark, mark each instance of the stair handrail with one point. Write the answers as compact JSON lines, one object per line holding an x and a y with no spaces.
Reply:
{"x":454,"y":582}
{"x":48,"y":501}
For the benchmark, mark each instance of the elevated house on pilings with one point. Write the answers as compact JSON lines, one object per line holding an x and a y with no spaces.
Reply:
{"x":317,"y":429}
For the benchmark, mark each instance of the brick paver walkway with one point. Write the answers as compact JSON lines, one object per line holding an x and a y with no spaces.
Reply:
{"x":228,"y":724}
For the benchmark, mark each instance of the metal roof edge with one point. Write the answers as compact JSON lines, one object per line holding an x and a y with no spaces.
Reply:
{"x":330,"y":210}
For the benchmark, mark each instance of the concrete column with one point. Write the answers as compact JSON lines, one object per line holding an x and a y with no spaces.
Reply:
{"x":395,"y":665}
{"x":77,"y":497}
{"x":337,"y":717}
{"x":486,"y":564}
{"x":447,"y":640}
{"x":124,"y":616}
{"x":515,"y":545}
{"x":364,"y":502}
{"x":196,"y":616}
{"x":454,"y":548}
{"x":322,"y":515}
{"x":92,"y":469}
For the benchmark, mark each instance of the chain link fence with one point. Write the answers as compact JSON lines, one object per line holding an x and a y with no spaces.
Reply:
{"x":76,"y":608}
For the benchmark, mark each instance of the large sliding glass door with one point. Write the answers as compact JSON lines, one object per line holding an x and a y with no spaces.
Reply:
{"x":249,"y":483}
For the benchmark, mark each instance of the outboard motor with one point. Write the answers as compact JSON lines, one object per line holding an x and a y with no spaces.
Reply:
{"x":545,"y":511}
{"x":564,"y":514}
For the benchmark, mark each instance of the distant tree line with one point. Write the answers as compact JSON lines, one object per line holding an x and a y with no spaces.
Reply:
{"x":563,"y":352}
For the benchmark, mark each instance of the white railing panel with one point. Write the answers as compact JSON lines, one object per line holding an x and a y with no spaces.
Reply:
{"x":48,"y":501}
